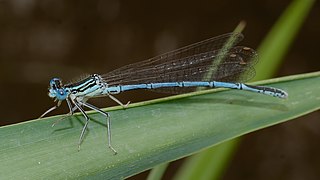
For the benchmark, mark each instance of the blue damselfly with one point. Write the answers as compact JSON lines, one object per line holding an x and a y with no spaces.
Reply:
{"x":204,"y":64}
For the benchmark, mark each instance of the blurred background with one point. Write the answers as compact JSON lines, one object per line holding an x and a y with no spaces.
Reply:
{"x":41,"y":39}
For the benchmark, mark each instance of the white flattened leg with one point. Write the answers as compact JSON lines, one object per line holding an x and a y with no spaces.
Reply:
{"x":72,"y":110}
{"x":51,"y":109}
{"x":117,"y":101}
{"x":76,"y":103}
{"x":108,"y":122}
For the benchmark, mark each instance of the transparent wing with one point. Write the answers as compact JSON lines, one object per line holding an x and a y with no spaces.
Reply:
{"x":191,"y":63}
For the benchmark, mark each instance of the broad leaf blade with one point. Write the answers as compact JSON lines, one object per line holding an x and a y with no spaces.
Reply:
{"x":145,"y":136}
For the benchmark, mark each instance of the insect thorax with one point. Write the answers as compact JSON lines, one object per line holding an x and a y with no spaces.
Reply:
{"x":90,"y":86}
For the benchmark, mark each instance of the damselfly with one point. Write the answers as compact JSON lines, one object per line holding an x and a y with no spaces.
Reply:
{"x":209,"y":63}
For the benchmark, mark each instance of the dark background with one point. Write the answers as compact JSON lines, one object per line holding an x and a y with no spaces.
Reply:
{"x":41,"y":39}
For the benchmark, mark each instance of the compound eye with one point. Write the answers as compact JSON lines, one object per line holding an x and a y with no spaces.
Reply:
{"x":58,"y":83}
{"x":55,"y":83}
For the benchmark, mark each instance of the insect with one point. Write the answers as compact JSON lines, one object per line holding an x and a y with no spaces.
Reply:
{"x":204,"y":64}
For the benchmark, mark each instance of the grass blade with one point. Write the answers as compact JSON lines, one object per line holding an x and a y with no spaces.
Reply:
{"x":281,"y":36}
{"x":148,"y":133}
{"x":271,"y":52}
{"x":157,"y":172}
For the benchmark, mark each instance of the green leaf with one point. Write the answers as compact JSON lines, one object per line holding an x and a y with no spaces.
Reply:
{"x":148,"y":133}
{"x":271,"y":52}
{"x":279,"y":39}
{"x":209,"y":164}
{"x":157,"y":172}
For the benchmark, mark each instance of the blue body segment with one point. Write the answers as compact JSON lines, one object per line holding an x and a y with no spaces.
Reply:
{"x":204,"y":64}
{"x":213,"y":84}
